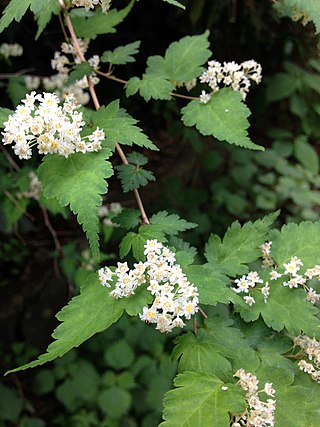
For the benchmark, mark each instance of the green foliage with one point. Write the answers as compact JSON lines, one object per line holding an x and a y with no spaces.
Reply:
{"x":119,"y":127}
{"x":175,"y":3}
{"x":309,"y":7}
{"x":224,"y":117}
{"x":122,"y":54}
{"x":79,"y":71}
{"x":171,"y":223}
{"x":99,"y":23}
{"x":43,"y":17}
{"x":132,"y":175}
{"x":4,"y":114}
{"x":78,"y":181}
{"x":16,"y":9}
{"x":239,"y":246}
{"x":183,"y":61}
{"x":202,"y":393}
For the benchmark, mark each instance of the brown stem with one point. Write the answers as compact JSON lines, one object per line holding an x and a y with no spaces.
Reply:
{"x":16,"y":74}
{"x":203,"y":313}
{"x":195,"y":327}
{"x":97,"y":106}
{"x":51,"y":229}
{"x":10,"y":159}
{"x":17,"y":204}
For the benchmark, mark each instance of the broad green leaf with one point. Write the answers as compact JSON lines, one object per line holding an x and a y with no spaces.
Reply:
{"x":79,"y":71}
{"x":184,"y":59}
{"x":114,"y":402}
{"x":199,"y":400}
{"x":133,"y":305}
{"x":43,"y":17}
{"x":137,"y":159}
{"x":78,"y":181}
{"x":171,"y":223}
{"x":136,"y":241}
{"x":212,"y":285}
{"x":4,"y":114}
{"x":310,"y":7}
{"x":306,"y":155}
{"x":280,"y":86}
{"x":301,"y":240}
{"x":16,"y":9}
{"x":99,"y":23}
{"x":224,"y":117}
{"x":133,"y":177}
{"x":86,"y":314}
{"x":122,"y":54}
{"x":175,"y":3}
{"x":201,"y":354}
{"x":120,"y":127}
{"x":150,"y":86}
{"x":239,"y":246}
{"x":280,"y":311}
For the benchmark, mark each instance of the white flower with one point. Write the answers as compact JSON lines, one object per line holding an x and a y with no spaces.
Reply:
{"x":274,"y":275}
{"x":269,"y":390}
{"x":249,"y":300}
{"x":204,"y":97}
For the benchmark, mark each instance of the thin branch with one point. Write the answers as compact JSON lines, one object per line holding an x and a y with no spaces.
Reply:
{"x":51,"y":229}
{"x":195,"y":327}
{"x":97,"y":106}
{"x":16,"y":74}
{"x":17,"y":204}
{"x":203,"y":313}
{"x":10,"y":159}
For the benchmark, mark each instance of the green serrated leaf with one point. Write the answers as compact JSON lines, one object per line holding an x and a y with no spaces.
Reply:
{"x":133,"y":177}
{"x":128,"y":218}
{"x":175,"y":3}
{"x":307,"y":155}
{"x":99,"y":23}
{"x":224,"y":117}
{"x":79,"y":181}
{"x":4,"y":114}
{"x":199,"y":400}
{"x":43,"y":17}
{"x":122,"y":54}
{"x":119,"y":127}
{"x":171,"y":223}
{"x":239,"y":246}
{"x":150,"y":86}
{"x":281,"y":310}
{"x":16,"y":9}
{"x":301,"y":240}
{"x":86,"y":314}
{"x":137,"y":159}
{"x":79,"y":71}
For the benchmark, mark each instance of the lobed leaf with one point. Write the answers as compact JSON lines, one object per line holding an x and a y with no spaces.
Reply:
{"x":79,"y":71}
{"x":171,"y":223}
{"x":122,"y":54}
{"x":133,"y":177}
{"x":239,"y":246}
{"x":86,"y":314}
{"x":199,"y":400}
{"x":43,"y":17}
{"x":224,"y":117}
{"x":119,"y":127}
{"x":78,"y":181}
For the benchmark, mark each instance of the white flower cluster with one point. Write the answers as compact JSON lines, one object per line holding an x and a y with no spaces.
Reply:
{"x":12,"y":49}
{"x":58,"y":83}
{"x":237,"y":76}
{"x":174,"y":296}
{"x":294,"y":279}
{"x":34,"y":188}
{"x":90,"y":4}
{"x":267,"y":260}
{"x":311,"y":348}
{"x":106,"y":213}
{"x":247,"y":283}
{"x":258,"y":412}
{"x":41,"y":121}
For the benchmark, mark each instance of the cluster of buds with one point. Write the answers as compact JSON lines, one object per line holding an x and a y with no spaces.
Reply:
{"x":12,"y":49}
{"x":230,"y":74}
{"x":267,"y":260}
{"x":40,"y":121}
{"x":90,"y":4}
{"x":174,"y":296}
{"x":310,"y":348}
{"x":258,"y":412}
{"x":63,"y":62}
{"x":249,"y":282}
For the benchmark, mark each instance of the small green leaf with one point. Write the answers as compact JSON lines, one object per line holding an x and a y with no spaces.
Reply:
{"x":171,"y":223}
{"x":306,"y":155}
{"x":122,"y":54}
{"x":150,"y":86}
{"x":4,"y":114}
{"x":128,"y":218}
{"x":114,"y":402}
{"x":224,"y":117}
{"x":79,"y":71}
{"x":133,"y":177}
{"x":137,"y":159}
{"x":175,"y":3}
{"x":119,"y":355}
{"x":43,"y":17}
{"x":119,"y":127}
